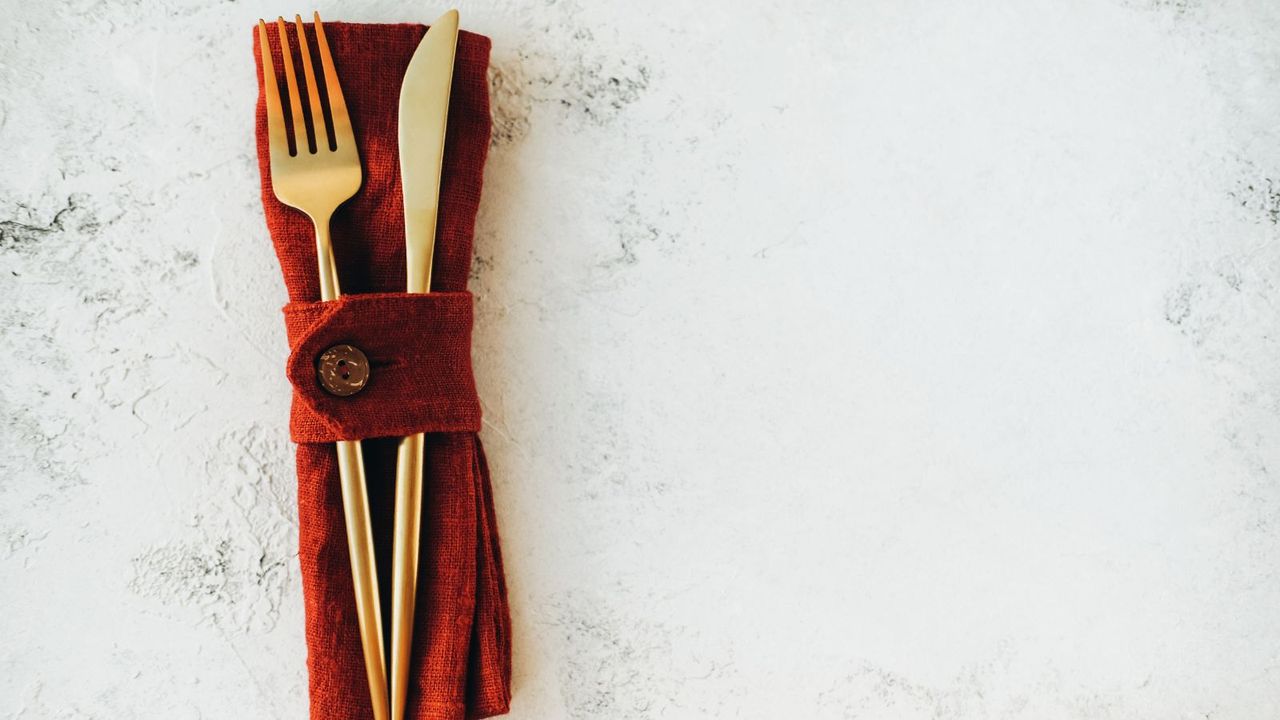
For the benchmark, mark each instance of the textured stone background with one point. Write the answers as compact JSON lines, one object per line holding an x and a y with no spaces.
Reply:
{"x":885,"y":359}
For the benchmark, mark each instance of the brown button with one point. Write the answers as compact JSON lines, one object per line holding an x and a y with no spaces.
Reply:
{"x":343,"y":370}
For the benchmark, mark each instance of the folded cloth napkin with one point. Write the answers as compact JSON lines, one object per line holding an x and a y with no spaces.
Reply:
{"x":420,"y":381}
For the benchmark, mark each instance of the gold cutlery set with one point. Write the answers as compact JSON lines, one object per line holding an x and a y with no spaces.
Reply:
{"x":315,"y":176}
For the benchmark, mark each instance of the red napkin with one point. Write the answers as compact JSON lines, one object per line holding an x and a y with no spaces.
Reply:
{"x":419,"y":351}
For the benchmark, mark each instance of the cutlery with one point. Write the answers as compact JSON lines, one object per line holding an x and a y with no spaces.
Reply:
{"x":316,"y":177}
{"x":424,"y":113}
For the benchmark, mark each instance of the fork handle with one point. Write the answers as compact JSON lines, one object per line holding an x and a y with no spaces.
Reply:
{"x":364,"y":573}
{"x":355,"y":505}
{"x":329,"y":288}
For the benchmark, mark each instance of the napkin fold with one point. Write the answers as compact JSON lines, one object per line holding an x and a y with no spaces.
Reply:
{"x":461,"y":665}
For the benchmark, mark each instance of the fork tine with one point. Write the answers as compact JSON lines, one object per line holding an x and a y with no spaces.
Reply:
{"x":277,"y":138}
{"x":318,"y":125}
{"x":300,"y":140}
{"x":342,"y":134}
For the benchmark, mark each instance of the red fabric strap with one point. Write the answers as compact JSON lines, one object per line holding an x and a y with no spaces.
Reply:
{"x":419,"y":350}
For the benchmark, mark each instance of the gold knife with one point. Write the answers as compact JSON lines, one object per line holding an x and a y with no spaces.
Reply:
{"x":424,"y":114}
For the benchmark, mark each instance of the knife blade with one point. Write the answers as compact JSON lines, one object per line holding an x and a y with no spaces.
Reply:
{"x":424,"y":114}
{"x":423,"y":120}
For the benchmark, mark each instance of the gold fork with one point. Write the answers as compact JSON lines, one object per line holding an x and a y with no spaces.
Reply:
{"x":316,"y":178}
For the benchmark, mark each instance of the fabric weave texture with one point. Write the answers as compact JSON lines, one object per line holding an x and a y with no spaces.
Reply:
{"x":421,"y":381}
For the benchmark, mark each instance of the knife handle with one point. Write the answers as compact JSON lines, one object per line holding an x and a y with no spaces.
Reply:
{"x":408,"y":518}
{"x":404,"y":564}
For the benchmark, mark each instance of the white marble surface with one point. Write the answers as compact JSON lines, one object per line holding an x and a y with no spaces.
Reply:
{"x":887,"y":359}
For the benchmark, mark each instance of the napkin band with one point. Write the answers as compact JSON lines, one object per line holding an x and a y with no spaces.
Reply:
{"x":419,"y":350}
